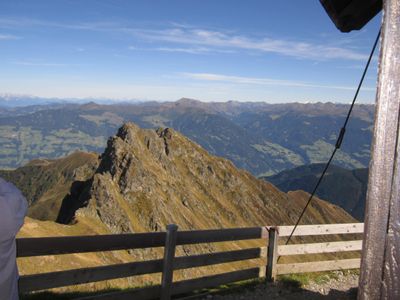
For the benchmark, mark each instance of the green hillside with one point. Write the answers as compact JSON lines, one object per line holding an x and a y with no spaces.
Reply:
{"x":259,"y":137}
{"x":342,"y":187}
{"x":45,"y":182}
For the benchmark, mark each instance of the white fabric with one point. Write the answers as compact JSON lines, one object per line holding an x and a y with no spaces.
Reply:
{"x":13,"y":208}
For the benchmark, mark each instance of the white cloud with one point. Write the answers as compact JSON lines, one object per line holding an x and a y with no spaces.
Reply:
{"x":184,"y":50}
{"x":8,"y":37}
{"x":195,"y":50}
{"x":39,"y":64}
{"x":220,"y":40}
{"x":263,"y":81}
{"x":214,"y":40}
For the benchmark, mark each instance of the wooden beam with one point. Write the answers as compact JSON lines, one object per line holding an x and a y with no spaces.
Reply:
{"x":379,"y":278}
{"x":168,"y":265}
{"x":219,"y":235}
{"x":201,"y":260}
{"x":272,"y":256}
{"x":317,"y":266}
{"x":312,"y":248}
{"x":322,"y":229}
{"x":94,"y":243}
{"x":89,"y":243}
{"x":42,"y":281}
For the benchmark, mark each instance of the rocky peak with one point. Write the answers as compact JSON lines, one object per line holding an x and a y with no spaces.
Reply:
{"x":150,"y":178}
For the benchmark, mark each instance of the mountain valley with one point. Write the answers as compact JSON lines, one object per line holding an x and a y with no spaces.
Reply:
{"x":259,"y":137}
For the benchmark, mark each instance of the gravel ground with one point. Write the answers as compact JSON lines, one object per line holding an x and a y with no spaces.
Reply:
{"x":343,"y":287}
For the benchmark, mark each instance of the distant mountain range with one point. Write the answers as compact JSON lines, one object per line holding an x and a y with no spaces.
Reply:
{"x":15,"y":101}
{"x":259,"y":137}
{"x":342,"y":187}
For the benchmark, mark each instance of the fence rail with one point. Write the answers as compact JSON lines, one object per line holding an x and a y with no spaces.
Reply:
{"x":27,"y":247}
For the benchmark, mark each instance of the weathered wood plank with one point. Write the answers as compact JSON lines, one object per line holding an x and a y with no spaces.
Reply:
{"x":80,"y":244}
{"x":36,"y":282}
{"x":327,"y":265}
{"x":168,"y":262}
{"x":265,"y":232}
{"x":218,"y":235}
{"x":328,"y":247}
{"x":185,"y":262}
{"x":186,"y":286}
{"x":272,"y":254}
{"x":322,"y":229}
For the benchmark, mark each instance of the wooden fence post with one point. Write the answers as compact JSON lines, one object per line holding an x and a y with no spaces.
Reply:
{"x":380,"y":268}
{"x":168,"y":264}
{"x":272,"y":256}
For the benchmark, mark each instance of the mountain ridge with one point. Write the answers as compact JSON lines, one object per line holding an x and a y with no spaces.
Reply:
{"x":259,"y":137}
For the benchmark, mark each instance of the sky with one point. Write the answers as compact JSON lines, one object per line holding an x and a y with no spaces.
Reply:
{"x":253,"y":50}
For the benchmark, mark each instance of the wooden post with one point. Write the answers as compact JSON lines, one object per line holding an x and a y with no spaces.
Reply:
{"x":168,"y":264}
{"x":272,"y":255}
{"x":380,"y":270}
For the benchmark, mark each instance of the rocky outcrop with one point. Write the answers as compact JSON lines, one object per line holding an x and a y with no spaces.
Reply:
{"x":149,"y":178}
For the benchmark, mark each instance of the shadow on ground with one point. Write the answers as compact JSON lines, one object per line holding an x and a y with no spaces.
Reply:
{"x":279,"y":291}
{"x":249,"y":291}
{"x":310,"y":295}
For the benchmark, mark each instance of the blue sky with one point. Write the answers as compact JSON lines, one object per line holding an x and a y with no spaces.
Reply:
{"x":274,"y":51}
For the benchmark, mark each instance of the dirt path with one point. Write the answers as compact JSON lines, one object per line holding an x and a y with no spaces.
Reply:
{"x":343,"y":287}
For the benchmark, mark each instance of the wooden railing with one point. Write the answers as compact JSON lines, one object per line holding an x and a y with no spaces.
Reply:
{"x":28,"y":247}
{"x":276,"y":250}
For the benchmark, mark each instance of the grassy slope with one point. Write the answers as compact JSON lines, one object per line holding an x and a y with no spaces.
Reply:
{"x":45,"y":183}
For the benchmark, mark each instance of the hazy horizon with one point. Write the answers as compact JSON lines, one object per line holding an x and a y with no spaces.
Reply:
{"x":162,"y":51}
{"x":14,"y":100}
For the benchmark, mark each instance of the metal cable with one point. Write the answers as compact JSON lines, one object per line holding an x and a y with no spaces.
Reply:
{"x":339,"y":139}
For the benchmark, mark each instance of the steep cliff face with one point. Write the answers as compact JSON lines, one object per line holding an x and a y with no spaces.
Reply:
{"x":149,"y":178}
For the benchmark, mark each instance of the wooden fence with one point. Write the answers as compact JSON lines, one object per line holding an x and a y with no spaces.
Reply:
{"x":28,"y":247}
